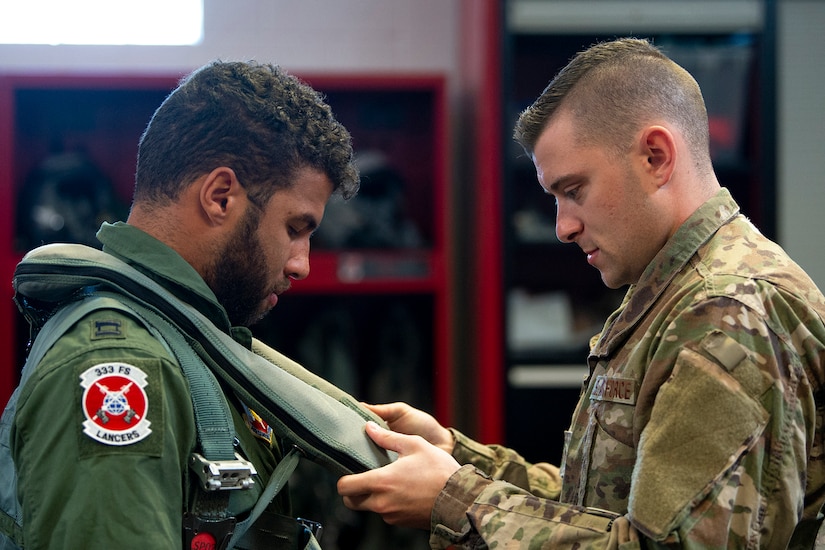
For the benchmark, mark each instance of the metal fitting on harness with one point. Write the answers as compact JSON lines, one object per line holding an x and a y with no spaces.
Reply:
{"x":223,"y":475}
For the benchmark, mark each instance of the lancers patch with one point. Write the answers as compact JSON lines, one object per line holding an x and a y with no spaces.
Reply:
{"x":115,"y":404}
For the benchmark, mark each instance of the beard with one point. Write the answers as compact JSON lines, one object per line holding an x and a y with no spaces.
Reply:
{"x":239,"y":273}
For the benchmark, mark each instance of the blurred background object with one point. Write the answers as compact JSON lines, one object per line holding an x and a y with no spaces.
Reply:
{"x":65,"y":199}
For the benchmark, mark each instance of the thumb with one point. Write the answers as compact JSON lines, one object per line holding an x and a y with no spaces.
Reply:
{"x":386,"y":439}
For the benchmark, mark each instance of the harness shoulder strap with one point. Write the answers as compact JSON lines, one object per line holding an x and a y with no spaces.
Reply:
{"x":213,"y":419}
{"x":219,"y":468}
{"x":212,"y":416}
{"x":327,"y":425}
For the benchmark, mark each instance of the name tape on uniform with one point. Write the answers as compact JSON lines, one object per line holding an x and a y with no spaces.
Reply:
{"x":614,"y":389}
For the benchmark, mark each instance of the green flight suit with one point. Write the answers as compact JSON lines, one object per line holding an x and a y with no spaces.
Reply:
{"x":79,"y":485}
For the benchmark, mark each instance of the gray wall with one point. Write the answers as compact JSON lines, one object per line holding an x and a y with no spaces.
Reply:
{"x":304,"y":35}
{"x":801,"y":133}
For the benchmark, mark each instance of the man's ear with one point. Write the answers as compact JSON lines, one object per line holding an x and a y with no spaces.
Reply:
{"x":659,"y":151}
{"x":220,"y":193}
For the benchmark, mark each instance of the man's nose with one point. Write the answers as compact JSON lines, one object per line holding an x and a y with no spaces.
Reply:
{"x":297,"y":267}
{"x":567,"y":227}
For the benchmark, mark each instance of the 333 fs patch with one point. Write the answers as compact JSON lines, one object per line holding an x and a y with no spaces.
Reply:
{"x":115,"y":404}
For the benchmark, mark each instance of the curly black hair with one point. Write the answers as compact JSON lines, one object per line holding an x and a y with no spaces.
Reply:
{"x":254,"y":118}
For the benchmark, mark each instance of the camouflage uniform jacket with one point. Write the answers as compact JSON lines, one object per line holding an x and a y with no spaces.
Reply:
{"x":699,"y":426}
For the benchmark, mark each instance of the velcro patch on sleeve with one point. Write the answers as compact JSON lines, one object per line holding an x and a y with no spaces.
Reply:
{"x":121,"y":405}
{"x":115,"y":404}
{"x":701,"y":424}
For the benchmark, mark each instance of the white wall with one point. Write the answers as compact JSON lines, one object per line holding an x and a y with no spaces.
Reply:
{"x":801,"y":129}
{"x":299,"y":35}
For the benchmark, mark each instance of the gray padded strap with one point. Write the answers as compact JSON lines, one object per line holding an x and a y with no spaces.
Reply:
{"x":327,"y":426}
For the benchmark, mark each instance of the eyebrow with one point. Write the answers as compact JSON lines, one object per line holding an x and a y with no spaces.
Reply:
{"x":310,"y":223}
{"x":554,"y":187}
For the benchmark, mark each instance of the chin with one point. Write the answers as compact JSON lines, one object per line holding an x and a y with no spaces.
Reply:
{"x":254,"y":318}
{"x":610,"y":282}
{"x":260,"y":316}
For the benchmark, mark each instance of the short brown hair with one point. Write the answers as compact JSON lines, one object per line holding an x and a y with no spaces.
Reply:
{"x":613,"y":89}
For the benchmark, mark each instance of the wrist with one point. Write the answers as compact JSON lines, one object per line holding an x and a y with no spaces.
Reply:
{"x":448,"y":440}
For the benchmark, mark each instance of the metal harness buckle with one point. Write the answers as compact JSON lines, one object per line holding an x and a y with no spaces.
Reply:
{"x":223,"y":475}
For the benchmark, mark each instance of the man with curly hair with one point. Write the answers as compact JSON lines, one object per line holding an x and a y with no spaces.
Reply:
{"x":233,"y":175}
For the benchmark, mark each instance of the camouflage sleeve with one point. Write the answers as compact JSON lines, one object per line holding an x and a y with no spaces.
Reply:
{"x":541,"y":479}
{"x":474,"y":511}
{"x":731,"y":469}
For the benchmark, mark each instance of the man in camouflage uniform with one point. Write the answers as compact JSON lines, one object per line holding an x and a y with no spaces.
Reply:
{"x":700,"y":424}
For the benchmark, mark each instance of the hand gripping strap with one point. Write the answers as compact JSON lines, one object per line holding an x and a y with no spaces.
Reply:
{"x":329,"y":429}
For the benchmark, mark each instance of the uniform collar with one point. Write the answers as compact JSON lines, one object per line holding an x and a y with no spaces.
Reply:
{"x":671,"y":260}
{"x":165,"y":266}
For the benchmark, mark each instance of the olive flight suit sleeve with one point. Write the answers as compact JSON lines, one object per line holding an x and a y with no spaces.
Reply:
{"x":101,"y":437}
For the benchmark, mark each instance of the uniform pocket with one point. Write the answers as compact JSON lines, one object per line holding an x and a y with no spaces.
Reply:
{"x":610,"y":461}
{"x":599,"y":455}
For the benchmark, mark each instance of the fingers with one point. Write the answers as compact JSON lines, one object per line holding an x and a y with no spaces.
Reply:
{"x":390,"y":412}
{"x":404,"y":491}
{"x":356,"y":484}
{"x":354,"y":502}
{"x":355,"y":489}
{"x":392,"y":441}
{"x":379,"y":503}
{"x":403,"y":418}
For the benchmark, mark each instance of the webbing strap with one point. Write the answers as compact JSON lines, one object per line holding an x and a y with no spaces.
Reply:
{"x":281,"y":474}
{"x":213,"y":420}
{"x":212,"y":417}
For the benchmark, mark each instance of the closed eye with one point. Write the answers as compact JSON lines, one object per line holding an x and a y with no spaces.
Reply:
{"x":568,"y":187}
{"x":304,"y":225}
{"x":572,"y":192}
